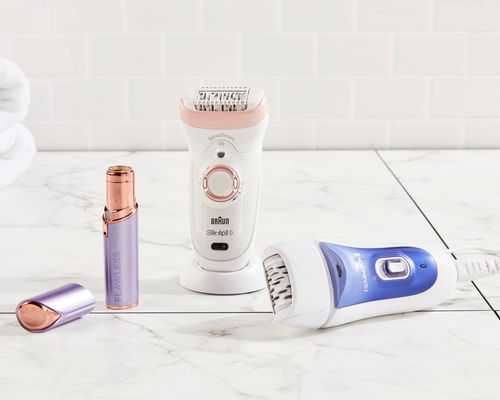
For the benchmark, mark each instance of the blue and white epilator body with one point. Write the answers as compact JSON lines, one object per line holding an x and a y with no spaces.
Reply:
{"x":319,"y":284}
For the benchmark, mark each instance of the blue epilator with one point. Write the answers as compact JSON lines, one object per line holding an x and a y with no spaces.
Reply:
{"x":319,"y":284}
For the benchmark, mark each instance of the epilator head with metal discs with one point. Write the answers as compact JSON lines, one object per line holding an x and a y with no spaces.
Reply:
{"x":223,"y":107}
{"x":223,"y":98}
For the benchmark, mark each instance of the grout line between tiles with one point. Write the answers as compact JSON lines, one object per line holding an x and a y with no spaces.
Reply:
{"x":180,"y":312}
{"x":429,"y":222}
{"x":413,"y":200}
{"x":445,"y":311}
{"x":161,"y":312}
{"x":485,"y":299}
{"x":238,"y":312}
{"x":223,"y":312}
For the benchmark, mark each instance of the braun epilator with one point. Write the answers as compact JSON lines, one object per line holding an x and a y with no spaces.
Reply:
{"x":121,"y":239}
{"x":225,"y":128}
{"x":319,"y":284}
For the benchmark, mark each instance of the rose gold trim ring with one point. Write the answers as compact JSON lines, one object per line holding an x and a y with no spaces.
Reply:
{"x":235,"y":183}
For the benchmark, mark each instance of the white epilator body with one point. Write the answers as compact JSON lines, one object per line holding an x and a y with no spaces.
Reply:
{"x":225,"y":127}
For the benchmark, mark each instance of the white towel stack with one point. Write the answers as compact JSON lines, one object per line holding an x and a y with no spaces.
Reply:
{"x":17,"y":147}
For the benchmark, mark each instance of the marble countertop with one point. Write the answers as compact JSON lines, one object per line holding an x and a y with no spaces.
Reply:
{"x":178,"y":344}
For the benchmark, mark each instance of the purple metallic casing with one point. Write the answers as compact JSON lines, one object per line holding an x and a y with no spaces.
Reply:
{"x":70,"y":301}
{"x":121,"y":260}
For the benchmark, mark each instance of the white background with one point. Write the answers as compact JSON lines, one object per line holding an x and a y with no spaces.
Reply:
{"x":106,"y":74}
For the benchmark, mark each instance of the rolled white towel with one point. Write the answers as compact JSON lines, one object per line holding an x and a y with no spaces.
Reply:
{"x":14,"y":94}
{"x":17,"y":149}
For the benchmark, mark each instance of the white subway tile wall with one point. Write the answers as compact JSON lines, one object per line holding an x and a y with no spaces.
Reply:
{"x":338,"y":74}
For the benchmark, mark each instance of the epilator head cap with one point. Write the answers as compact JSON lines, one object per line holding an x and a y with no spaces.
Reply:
{"x":223,"y":107}
{"x":299,"y":283}
{"x":56,"y":307}
{"x":120,"y":193}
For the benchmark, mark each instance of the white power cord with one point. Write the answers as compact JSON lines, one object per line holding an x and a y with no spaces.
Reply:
{"x":469,"y":269}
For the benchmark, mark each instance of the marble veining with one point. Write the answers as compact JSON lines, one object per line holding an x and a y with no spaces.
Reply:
{"x":51,"y":221}
{"x":246,"y":356}
{"x":182,"y":345}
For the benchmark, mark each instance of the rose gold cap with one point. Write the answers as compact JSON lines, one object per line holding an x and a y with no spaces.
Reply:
{"x":120,"y":193}
{"x":34,"y":316}
{"x":55,"y":307}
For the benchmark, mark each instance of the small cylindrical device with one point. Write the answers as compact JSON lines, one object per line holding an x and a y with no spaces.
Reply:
{"x":56,"y":307}
{"x":121,"y":255}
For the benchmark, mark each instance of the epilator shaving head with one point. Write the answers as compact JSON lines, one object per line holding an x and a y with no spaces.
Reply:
{"x":223,"y":98}
{"x":223,"y":107}
{"x":278,"y":281}
{"x":297,"y":280}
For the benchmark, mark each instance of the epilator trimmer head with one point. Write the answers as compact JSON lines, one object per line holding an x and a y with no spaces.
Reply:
{"x":319,"y":284}
{"x":225,"y":128}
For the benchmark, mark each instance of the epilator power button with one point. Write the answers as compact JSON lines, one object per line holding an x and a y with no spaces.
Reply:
{"x":220,"y":183}
{"x":392,"y":268}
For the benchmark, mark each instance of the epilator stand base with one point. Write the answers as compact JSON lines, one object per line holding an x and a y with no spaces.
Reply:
{"x":246,"y":280}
